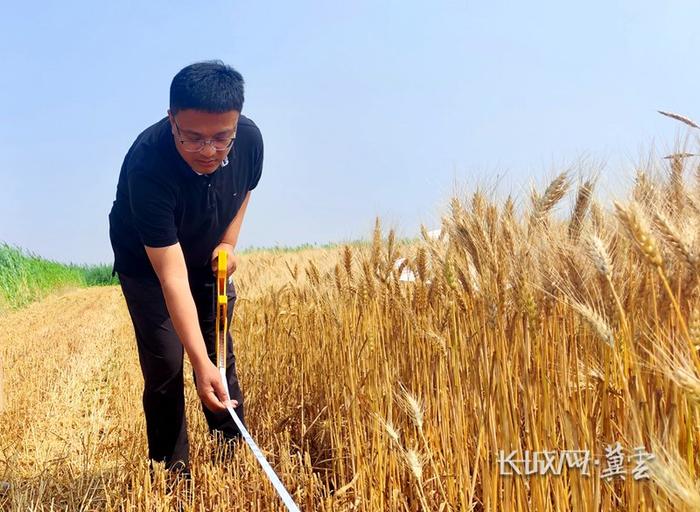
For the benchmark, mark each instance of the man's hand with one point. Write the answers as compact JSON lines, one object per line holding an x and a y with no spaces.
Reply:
{"x":210,"y":388}
{"x":231,"y":258}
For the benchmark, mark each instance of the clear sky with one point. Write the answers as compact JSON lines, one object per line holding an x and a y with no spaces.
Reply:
{"x":366,"y":107}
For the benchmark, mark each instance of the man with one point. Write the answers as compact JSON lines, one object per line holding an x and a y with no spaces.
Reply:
{"x":183,"y":191}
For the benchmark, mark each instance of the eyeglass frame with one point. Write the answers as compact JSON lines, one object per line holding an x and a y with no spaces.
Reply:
{"x":203,"y":143}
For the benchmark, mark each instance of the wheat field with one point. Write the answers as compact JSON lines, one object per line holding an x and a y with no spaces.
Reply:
{"x":523,"y":328}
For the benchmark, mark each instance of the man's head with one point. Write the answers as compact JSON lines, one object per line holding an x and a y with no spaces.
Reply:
{"x":206,"y":100}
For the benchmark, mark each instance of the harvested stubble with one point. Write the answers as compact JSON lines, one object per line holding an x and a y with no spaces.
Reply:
{"x":369,"y":393}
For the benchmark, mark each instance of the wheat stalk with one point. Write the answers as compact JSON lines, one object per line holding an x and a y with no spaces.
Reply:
{"x":376,"y":244}
{"x":636,"y":228}
{"x":583,"y":199}
{"x":552,"y":195}
{"x":347,"y":260}
{"x":596,"y":321}
{"x":680,"y":118}
{"x":598,"y":252}
{"x":671,"y":235}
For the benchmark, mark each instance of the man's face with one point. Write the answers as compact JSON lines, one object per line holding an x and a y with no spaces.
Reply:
{"x":196,"y":125}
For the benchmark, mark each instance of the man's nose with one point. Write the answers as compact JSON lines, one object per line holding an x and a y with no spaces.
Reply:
{"x":208,"y":150}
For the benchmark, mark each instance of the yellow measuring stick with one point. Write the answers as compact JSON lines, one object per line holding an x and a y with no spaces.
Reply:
{"x":221,"y":311}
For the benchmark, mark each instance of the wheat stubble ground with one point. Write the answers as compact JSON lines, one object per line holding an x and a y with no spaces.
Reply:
{"x":73,"y":433}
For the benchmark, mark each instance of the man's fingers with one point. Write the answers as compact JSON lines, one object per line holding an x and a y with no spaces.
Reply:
{"x":221,"y":392}
{"x":217,"y":402}
{"x":230,"y":403}
{"x":223,"y":396}
{"x":213,"y":403}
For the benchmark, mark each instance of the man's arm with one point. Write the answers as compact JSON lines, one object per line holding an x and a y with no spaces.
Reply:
{"x":233,"y":229}
{"x":230,"y":239}
{"x":169,"y":265}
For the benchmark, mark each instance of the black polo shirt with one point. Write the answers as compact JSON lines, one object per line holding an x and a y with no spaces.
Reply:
{"x":161,"y":201}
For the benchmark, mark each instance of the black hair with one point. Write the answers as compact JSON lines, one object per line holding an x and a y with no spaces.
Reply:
{"x":210,"y":86}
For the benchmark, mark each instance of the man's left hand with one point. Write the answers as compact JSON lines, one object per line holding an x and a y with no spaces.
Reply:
{"x":231,"y":258}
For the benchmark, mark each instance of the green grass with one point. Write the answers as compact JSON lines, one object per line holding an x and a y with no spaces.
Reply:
{"x":26,"y":277}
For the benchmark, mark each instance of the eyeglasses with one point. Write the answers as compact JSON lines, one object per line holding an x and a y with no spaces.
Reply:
{"x":194,"y":146}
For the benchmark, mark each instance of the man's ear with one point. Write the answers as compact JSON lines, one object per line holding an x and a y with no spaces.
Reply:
{"x":172,"y":122}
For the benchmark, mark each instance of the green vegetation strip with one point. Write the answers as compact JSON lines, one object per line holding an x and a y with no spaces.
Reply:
{"x":25,"y":277}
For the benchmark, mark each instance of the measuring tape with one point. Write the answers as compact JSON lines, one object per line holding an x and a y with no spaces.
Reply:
{"x":221,"y":332}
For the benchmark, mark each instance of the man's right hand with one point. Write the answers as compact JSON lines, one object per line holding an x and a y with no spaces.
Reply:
{"x":210,"y":388}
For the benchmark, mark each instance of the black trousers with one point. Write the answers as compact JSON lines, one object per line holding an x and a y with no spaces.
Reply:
{"x":161,"y":358}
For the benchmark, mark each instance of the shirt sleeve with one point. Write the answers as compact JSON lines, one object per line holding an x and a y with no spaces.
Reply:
{"x":258,"y":151}
{"x":152,"y":209}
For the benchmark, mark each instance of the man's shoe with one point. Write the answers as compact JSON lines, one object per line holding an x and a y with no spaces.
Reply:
{"x":179,"y":472}
{"x":181,"y":488}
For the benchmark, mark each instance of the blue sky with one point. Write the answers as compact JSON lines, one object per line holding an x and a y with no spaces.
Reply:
{"x":366,"y":108}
